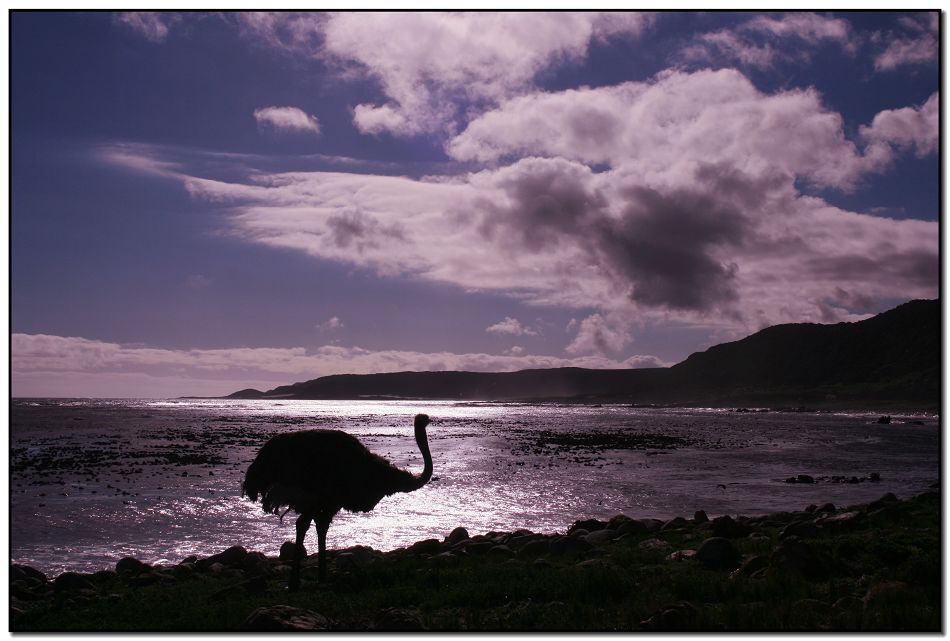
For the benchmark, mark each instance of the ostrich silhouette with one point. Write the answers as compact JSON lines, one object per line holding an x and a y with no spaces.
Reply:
{"x":316,"y":473}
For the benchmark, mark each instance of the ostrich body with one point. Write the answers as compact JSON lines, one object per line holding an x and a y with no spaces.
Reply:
{"x":316,"y":473}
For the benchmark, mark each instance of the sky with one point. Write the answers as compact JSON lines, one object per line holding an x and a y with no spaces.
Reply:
{"x":205,"y":202}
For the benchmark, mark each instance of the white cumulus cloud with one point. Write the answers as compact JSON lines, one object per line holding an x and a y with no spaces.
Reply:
{"x":287,"y":120}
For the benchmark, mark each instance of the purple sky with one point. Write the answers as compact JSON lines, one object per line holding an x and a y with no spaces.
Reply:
{"x":204,"y":202}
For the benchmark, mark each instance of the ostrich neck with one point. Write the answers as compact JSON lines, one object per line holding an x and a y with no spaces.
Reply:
{"x":423,"y":442}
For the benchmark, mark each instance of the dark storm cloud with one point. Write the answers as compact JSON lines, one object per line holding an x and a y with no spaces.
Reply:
{"x":356,"y":230}
{"x":548,"y":203}
{"x":663,"y":244}
{"x":660,"y":251}
{"x":917,"y":268}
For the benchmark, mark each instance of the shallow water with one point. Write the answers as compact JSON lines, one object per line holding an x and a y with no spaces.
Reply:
{"x":93,"y":481}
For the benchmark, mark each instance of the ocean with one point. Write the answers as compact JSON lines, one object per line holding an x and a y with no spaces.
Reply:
{"x":92,"y":481}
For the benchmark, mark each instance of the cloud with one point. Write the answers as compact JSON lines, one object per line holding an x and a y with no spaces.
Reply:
{"x":512,"y":327}
{"x":765,"y":40}
{"x":666,"y":126}
{"x":74,"y":366}
{"x":908,"y":128}
{"x":286,"y":120}
{"x":598,"y":335}
{"x":914,"y":44}
{"x":154,"y":26}
{"x":334,"y":323}
{"x":427,"y":63}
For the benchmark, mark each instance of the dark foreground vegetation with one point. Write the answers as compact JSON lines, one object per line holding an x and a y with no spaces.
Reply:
{"x":861,"y":568}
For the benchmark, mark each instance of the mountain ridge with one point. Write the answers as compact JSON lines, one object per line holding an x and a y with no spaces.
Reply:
{"x":892,"y":358}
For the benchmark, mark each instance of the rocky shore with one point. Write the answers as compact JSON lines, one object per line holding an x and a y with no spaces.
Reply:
{"x":866,"y":567}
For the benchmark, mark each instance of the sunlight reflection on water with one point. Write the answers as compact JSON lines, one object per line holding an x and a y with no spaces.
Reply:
{"x":497,"y":467}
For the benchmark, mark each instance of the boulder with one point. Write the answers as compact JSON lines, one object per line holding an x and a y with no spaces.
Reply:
{"x":569,"y":545}
{"x":398,"y":620}
{"x":632,"y":526}
{"x":700,"y":517}
{"x":751,"y":566}
{"x":501,"y":551}
{"x":278,"y":618}
{"x":728,"y":528}
{"x":288,"y":549}
{"x":601,"y":537}
{"x":654,"y":544}
{"x":457,"y":535}
{"x":25,"y":571}
{"x":805,"y":529}
{"x":590,"y":525}
{"x":71,"y":581}
{"x":616,"y":521}
{"x":232,"y":557}
{"x":675,"y":524}
{"x":131,"y":565}
{"x":426,"y":546}
{"x":718,"y":553}
{"x":796,"y":557}
{"x":534,"y":548}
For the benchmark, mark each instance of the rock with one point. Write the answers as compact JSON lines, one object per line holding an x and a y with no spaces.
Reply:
{"x":569,"y":545}
{"x":651,"y":525}
{"x":615,"y":522}
{"x":803,"y":529}
{"x":700,"y":517}
{"x":143,"y":579}
{"x":456,"y":535}
{"x":232,"y":557}
{"x":632,"y":527}
{"x":534,"y":548}
{"x":681,"y":615}
{"x":794,"y":556}
{"x":287,"y":550}
{"x":826,"y":507}
{"x":875,"y":477}
{"x":654,"y":544}
{"x":501,"y":551}
{"x":804,"y":478}
{"x":728,"y":528}
{"x":277,"y":618}
{"x":191,"y":559}
{"x":751,"y":565}
{"x":398,"y":620}
{"x":887,"y":499}
{"x":844,"y":519}
{"x":601,"y":537}
{"x":25,"y":571}
{"x":479,"y":547}
{"x":70,"y":581}
{"x":887,"y":594}
{"x":579,"y":533}
{"x":517,"y":542}
{"x":101,"y":576}
{"x":426,"y":546}
{"x":682,"y":555}
{"x":590,"y":525}
{"x":719,"y":553}
{"x":884,"y":420}
{"x":131,"y":565}
{"x":674,"y":524}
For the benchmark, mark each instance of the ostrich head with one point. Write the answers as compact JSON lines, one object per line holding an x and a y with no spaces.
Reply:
{"x":421,"y":421}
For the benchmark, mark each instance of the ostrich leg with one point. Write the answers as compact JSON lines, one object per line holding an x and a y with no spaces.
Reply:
{"x":323,"y":524}
{"x":303,"y":524}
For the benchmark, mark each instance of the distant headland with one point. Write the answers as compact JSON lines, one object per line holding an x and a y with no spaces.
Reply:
{"x":889,"y":360}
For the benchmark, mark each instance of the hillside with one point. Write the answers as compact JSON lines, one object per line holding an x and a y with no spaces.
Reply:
{"x":893,"y":358}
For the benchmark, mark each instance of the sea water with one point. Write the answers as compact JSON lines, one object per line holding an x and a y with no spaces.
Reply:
{"x":93,"y":481}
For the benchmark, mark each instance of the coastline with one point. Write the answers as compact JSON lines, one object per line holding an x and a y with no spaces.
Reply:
{"x":863,"y":567}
